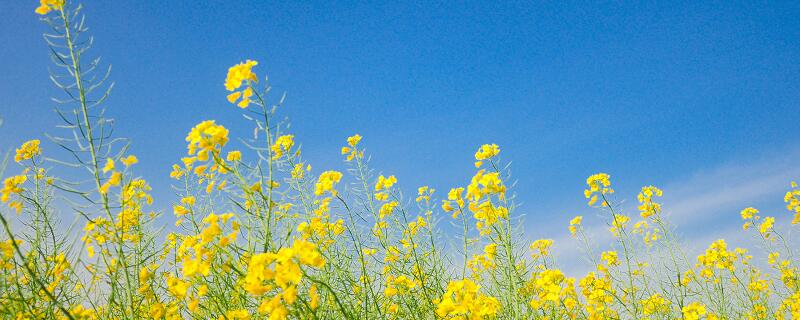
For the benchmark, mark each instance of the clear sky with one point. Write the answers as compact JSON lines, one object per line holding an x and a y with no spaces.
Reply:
{"x":702,"y":99}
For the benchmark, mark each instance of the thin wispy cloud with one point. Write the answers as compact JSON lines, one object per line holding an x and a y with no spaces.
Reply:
{"x":703,"y":206}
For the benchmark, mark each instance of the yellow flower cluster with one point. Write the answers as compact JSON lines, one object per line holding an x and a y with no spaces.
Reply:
{"x":13,"y":185}
{"x":551,"y":288}
{"x":463,"y":300}
{"x":206,"y":139}
{"x":282,"y":270}
{"x":791,"y":305}
{"x":134,"y":196}
{"x":574,"y":224}
{"x":792,"y":199}
{"x":327,"y":180}
{"x":237,"y":74}
{"x":387,"y":209}
{"x":424,"y":193}
{"x":655,"y":304}
{"x":611,"y":258}
{"x":282,"y":145}
{"x":718,"y":257}
{"x":267,"y":239}
{"x":599,"y":295}
{"x":541,"y":247}
{"x":618,"y":224}
{"x":751,"y":217}
{"x":319,"y":228}
{"x":382,"y":187}
{"x":45,"y":6}
{"x":129,"y":160}
{"x":454,"y":196}
{"x":485,"y":261}
{"x":297,"y":171}
{"x":205,"y":143}
{"x":598,"y":184}
{"x":647,"y":207}
{"x":479,"y":191}
{"x":7,"y":254}
{"x":398,"y":285}
{"x":234,"y":156}
{"x":485,"y":152}
{"x":27,"y":151}
{"x":113,"y":181}
{"x":351,"y":149}
{"x":694,"y":311}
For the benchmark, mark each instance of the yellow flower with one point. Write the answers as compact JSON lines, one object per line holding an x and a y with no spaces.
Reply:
{"x":129,"y":160}
{"x":27,"y":151}
{"x":542,"y":246}
{"x":236,"y":75}
{"x":773,"y":257}
{"x":81,"y":312}
{"x":694,"y":311}
{"x":447,"y":207}
{"x":282,"y":145}
{"x":486,"y":151}
{"x":750,"y":216}
{"x":574,"y":224}
{"x":190,"y":200}
{"x":655,"y":304}
{"x":179,"y":211}
{"x":353,"y":140}
{"x":766,"y":226}
{"x":792,"y":200}
{"x":385,"y":183}
{"x":281,"y":268}
{"x":424,"y":193}
{"x":109,"y":165}
{"x":177,"y":287}
{"x":749,"y":213}
{"x":351,"y":151}
{"x":206,"y":139}
{"x":114,"y":180}
{"x":297,"y":171}
{"x":12,"y":185}
{"x":717,"y":256}
{"x":599,"y":294}
{"x":484,"y":184}
{"x":599,"y":183}
{"x":618,"y":224}
{"x":157,"y":311}
{"x":647,"y":207}
{"x":387,"y":209}
{"x":463,"y":300}
{"x":45,"y":6}
{"x":16,"y":205}
{"x":240,"y":314}
{"x":326,"y":182}
{"x":610,"y":257}
{"x":547,"y":286}
{"x":234,"y":156}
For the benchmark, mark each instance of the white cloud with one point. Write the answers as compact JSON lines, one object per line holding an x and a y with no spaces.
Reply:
{"x":704,"y":206}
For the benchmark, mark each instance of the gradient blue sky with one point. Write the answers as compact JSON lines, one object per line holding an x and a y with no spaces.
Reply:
{"x":684,"y":95}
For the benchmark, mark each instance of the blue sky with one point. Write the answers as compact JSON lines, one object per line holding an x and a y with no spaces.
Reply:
{"x":684,"y":95}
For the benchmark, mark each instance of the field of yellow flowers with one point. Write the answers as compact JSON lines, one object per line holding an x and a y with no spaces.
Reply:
{"x":271,"y":238}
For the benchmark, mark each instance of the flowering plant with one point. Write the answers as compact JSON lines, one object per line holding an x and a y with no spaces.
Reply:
{"x":258,"y":234}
